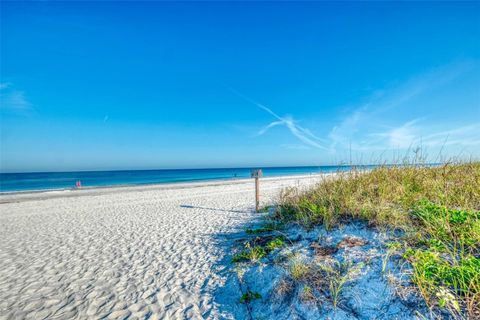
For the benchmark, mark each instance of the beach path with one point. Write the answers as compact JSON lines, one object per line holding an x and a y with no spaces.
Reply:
{"x":132,"y":252}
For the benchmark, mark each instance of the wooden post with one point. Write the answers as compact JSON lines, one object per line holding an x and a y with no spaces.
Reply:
{"x":257,"y":173}
{"x":257,"y":194}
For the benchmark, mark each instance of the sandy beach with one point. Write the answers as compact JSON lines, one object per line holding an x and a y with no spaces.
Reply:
{"x":155,"y":251}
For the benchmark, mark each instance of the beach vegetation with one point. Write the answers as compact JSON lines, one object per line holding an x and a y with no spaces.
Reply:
{"x":265,"y":209}
{"x":268,"y":226}
{"x":435,"y":210}
{"x":275,"y":244}
{"x":337,"y":276}
{"x":298,"y":269}
{"x":250,"y":254}
{"x":285,"y":287}
{"x":258,"y":248}
{"x":392,"y":248}
{"x":307,"y":294}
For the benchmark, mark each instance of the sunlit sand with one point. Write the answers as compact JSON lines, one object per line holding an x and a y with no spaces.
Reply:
{"x":155,"y":251}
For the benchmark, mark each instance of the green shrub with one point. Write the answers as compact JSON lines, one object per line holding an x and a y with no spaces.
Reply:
{"x":275,"y":243}
{"x":250,"y":254}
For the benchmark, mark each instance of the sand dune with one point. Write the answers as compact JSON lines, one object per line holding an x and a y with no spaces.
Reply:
{"x":132,"y":252}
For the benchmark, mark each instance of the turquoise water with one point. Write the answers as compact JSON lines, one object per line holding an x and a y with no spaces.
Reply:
{"x":66,"y":180}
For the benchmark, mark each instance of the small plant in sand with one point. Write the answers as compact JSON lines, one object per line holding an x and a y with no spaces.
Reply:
{"x":258,"y":248}
{"x":447,"y":300}
{"x":337,"y":276}
{"x":275,"y":244}
{"x":298,"y":269}
{"x":392,"y":248}
{"x":250,"y":254}
{"x":307,"y":294}
{"x":250,"y":296}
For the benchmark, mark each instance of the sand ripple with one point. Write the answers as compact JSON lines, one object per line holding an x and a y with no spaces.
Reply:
{"x":140,"y":252}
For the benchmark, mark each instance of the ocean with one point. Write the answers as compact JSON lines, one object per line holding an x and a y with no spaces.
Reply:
{"x":31,"y":181}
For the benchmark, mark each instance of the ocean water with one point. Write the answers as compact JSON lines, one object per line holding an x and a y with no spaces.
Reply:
{"x":10,"y":182}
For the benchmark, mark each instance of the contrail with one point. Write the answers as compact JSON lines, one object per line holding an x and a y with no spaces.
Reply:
{"x":303,"y":134}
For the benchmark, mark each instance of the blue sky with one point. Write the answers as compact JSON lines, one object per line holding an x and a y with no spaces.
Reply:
{"x":102,"y":85}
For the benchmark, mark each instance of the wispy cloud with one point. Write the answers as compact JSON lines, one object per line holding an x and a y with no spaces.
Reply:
{"x":418,"y":133}
{"x":303,"y":134}
{"x":15,"y":101}
{"x":468,"y":135}
{"x":355,"y":130}
{"x":391,"y":119}
{"x":399,"y":137}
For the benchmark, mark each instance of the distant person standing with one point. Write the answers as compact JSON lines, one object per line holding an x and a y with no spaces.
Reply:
{"x":78,"y":184}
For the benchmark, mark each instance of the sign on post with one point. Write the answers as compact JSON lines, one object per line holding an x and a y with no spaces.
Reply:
{"x":257,"y":173}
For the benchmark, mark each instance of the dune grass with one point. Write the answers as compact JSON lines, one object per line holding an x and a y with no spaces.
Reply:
{"x":436,"y":210}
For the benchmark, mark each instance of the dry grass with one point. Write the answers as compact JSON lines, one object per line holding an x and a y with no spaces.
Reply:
{"x":383,"y":195}
{"x":285,"y":287}
{"x":350,"y":242}
{"x":298,"y":269}
{"x":307,"y":295}
{"x":323,"y":251}
{"x":328,"y":278}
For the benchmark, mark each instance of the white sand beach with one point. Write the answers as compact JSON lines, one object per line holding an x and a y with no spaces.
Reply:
{"x":148,"y":251}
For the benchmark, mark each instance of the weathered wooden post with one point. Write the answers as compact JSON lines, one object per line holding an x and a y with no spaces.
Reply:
{"x":257,"y":173}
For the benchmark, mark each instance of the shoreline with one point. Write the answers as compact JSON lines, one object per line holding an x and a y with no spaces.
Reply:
{"x":145,"y":184}
{"x":23,"y":183}
{"x":27,"y":195}
{"x":193,"y":180}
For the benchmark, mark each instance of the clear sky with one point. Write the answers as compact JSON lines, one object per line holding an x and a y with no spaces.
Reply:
{"x":102,"y":85}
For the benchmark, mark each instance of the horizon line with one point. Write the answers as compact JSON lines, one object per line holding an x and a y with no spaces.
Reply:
{"x":224,"y":168}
